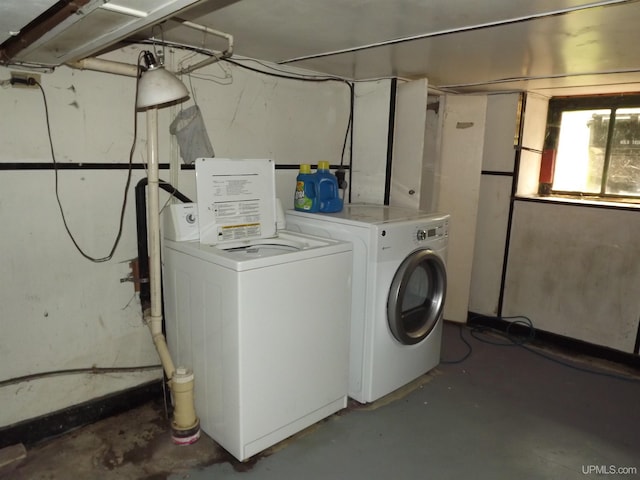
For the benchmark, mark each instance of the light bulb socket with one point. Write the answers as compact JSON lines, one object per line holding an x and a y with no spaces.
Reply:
{"x":149,"y":60}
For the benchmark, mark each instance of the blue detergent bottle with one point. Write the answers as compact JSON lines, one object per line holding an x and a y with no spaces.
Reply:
{"x":328,"y":193}
{"x":306,"y":194}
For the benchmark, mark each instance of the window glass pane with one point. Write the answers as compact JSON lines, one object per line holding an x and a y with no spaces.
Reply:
{"x":581,"y":147}
{"x":623,"y":177}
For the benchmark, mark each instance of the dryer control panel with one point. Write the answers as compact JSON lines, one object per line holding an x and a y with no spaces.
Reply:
{"x":396,"y":240}
{"x":432,"y":231}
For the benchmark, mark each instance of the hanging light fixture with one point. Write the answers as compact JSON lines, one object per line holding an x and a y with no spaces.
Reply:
{"x":158,"y":88}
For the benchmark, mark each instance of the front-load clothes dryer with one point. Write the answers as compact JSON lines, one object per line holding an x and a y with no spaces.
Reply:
{"x":398,"y":291}
{"x":265,"y":328}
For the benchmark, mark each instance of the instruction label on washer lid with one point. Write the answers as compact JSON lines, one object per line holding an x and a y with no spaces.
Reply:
{"x":238,"y":220}
{"x":236,"y":199}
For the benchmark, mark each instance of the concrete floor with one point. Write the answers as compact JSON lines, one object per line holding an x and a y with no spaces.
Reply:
{"x":503,"y":413}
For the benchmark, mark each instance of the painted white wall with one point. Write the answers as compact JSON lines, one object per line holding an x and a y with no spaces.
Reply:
{"x":253,"y":115}
{"x":460,"y":169}
{"x":59,"y":310}
{"x":409,"y":145}
{"x":498,"y":159}
{"x":370,"y":133}
{"x":491,"y":236}
{"x":431,"y":167}
{"x":573,"y":270}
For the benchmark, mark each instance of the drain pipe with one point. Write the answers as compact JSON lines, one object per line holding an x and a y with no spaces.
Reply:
{"x":185,"y":425}
{"x":141,"y":234}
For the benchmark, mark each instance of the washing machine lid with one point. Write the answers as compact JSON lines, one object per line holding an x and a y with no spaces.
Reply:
{"x":285,"y":247}
{"x":369,"y":214}
{"x":236,"y":199}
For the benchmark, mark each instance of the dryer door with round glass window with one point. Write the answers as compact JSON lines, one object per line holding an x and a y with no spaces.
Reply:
{"x":416,"y":297}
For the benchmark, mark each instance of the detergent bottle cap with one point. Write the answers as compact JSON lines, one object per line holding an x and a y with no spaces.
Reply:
{"x":305,"y":168}
{"x":323,"y":165}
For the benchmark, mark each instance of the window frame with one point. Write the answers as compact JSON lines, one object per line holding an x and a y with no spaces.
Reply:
{"x":558,"y":105}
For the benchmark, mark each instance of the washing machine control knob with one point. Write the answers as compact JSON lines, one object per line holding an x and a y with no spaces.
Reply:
{"x":421,"y":235}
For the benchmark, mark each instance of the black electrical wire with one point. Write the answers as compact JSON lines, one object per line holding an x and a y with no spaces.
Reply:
{"x":349,"y":123}
{"x":511,"y":340}
{"x":304,"y":78}
{"x":278,"y":74}
{"x":466,"y":355}
{"x":287,"y":75}
{"x":126,"y":188}
{"x":77,"y":371}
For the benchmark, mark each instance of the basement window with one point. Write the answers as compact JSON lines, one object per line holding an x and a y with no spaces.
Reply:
{"x":592,"y":148}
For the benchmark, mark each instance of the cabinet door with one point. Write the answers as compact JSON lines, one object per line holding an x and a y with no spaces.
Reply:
{"x":408,"y":143}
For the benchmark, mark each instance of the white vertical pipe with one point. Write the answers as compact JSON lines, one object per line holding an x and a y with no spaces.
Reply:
{"x":153,"y":209}
{"x":153,"y":220}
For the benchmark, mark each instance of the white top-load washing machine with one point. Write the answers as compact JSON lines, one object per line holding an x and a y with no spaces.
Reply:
{"x":398,"y":291}
{"x":264,"y":323}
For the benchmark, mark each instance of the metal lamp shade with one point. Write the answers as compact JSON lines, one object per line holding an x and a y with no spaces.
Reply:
{"x":158,"y":87}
